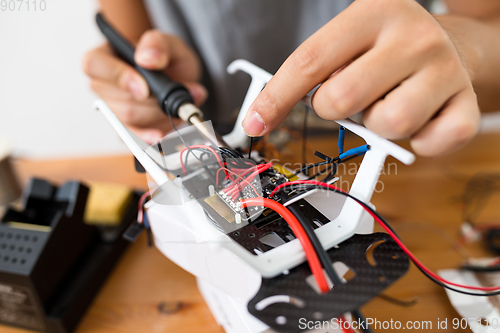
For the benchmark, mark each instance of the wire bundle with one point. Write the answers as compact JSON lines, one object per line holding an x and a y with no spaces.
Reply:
{"x":332,"y":163}
{"x":234,"y":188}
{"x":298,"y":230}
{"x":309,"y":185}
{"x":205,"y":147}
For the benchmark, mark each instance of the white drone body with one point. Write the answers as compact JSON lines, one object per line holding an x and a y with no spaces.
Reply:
{"x":228,"y":275}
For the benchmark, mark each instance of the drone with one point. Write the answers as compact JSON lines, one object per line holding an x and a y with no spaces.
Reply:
{"x":220,"y":216}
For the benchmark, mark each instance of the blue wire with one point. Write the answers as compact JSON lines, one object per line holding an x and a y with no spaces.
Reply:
{"x":145,"y":220}
{"x":341,"y":139}
{"x":355,"y":151}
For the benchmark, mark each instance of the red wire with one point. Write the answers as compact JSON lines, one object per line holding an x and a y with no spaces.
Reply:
{"x":140,"y":214}
{"x":243,"y":179}
{"x":258,"y":169}
{"x":217,"y":176}
{"x":236,"y":187}
{"x":200,"y":146}
{"x":346,"y":330}
{"x":311,"y":255}
{"x":394,"y":237}
{"x":256,"y":172}
{"x":254,"y":167}
{"x":241,"y":172}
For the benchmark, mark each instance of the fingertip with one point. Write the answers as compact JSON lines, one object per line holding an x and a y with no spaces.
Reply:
{"x":267,"y":111}
{"x":253,"y":124}
{"x":151,"y":58}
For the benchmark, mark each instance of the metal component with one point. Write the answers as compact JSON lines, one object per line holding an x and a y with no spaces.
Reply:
{"x":391,"y":264}
{"x":188,"y":110}
{"x":221,"y":208}
{"x":192,"y":115}
{"x":200,"y":125}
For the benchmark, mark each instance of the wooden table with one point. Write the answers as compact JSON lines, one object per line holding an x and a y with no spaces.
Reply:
{"x":421,"y":201}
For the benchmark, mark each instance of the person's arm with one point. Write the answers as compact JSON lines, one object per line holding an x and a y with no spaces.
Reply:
{"x":129,"y":17}
{"x":413,"y":75}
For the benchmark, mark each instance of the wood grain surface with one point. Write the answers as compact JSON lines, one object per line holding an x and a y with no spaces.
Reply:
{"x":422,"y":202}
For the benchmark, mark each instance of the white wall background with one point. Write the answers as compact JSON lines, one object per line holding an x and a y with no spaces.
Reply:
{"x":45,"y":100}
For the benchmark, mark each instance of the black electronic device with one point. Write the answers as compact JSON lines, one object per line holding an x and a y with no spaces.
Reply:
{"x":52,"y":264}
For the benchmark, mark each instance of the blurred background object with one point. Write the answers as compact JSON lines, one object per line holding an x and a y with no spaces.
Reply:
{"x":53,"y":263}
{"x":46,"y":104}
{"x":9,"y":185}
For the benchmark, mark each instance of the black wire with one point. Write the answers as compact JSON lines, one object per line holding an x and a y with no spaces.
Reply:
{"x":304,"y":137}
{"x":234,"y":157}
{"x":204,"y":150}
{"x":250,"y":148}
{"x":230,"y":152}
{"x":180,"y":136}
{"x":359,"y":316}
{"x":333,"y":160}
{"x":327,"y":169}
{"x":310,"y":166}
{"x":481,"y":269}
{"x":331,"y":175}
{"x":333,"y":171}
{"x":323,"y":256}
{"x":160,"y":149}
{"x":145,"y":222}
{"x":313,"y":186}
{"x":236,"y":162}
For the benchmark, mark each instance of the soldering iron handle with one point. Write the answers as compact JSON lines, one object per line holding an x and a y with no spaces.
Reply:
{"x":171,"y":95}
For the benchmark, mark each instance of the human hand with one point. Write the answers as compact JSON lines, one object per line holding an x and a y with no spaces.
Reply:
{"x":127,"y":93}
{"x":406,"y":74}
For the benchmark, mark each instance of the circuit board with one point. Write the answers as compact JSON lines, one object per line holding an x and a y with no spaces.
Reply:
{"x":263,"y":185}
{"x":250,"y":227}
